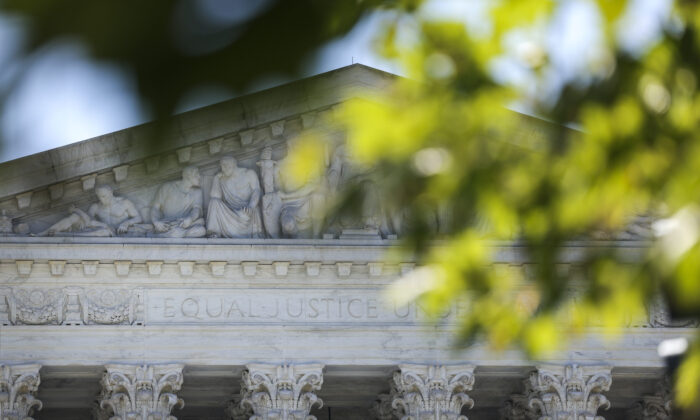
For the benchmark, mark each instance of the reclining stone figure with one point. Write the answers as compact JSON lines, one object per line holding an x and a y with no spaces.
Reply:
{"x":110,"y":216}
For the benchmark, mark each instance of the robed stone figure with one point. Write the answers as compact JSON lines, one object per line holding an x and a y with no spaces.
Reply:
{"x":233,"y":204}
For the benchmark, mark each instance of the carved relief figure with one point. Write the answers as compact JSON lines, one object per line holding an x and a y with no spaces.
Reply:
{"x":233,"y":208}
{"x":271,"y":201}
{"x":8,"y":228}
{"x":177,"y":207}
{"x":110,"y":216}
{"x":268,"y":170}
{"x":5,"y":224}
{"x":294,"y":210}
{"x":342,"y":173}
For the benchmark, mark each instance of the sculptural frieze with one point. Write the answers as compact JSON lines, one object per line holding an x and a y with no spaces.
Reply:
{"x":73,"y":305}
{"x":243,"y":202}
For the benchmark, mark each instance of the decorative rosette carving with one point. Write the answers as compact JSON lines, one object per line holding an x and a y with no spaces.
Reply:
{"x":111,"y":306}
{"x":36,"y":306}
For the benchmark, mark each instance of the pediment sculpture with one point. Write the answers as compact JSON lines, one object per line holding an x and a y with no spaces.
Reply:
{"x":243,"y":202}
{"x":176,"y":212}
{"x":342,"y":173}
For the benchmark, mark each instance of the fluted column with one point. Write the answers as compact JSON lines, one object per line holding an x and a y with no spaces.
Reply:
{"x":433,"y":392}
{"x":281,"y":392}
{"x":141,"y":392}
{"x":570,"y":392}
{"x":18,"y":386}
{"x":654,"y":407}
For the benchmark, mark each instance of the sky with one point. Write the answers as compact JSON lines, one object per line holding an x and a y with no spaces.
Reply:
{"x":65,"y":97}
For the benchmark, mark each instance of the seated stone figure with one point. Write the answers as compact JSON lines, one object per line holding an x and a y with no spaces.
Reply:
{"x":296,"y":207}
{"x":233,"y":208}
{"x":177,"y":207}
{"x":110,"y":216}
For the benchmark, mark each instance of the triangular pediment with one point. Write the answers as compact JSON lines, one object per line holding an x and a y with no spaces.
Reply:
{"x":39,"y":190}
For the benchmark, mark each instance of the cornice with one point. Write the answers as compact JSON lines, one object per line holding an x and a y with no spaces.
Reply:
{"x":238,"y":250}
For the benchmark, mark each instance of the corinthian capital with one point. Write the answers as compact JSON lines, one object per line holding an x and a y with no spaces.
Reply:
{"x":18,"y":385}
{"x":433,"y":392}
{"x":571,"y":391}
{"x":654,"y":407}
{"x":518,"y":407}
{"x":141,"y":392}
{"x":236,"y":411}
{"x":281,"y":392}
{"x":381,"y":408}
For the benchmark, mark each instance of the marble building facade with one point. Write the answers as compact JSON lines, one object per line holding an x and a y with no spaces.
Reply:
{"x":195,"y":282}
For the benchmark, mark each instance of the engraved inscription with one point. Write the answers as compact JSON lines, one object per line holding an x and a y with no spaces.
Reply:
{"x":284,"y":306}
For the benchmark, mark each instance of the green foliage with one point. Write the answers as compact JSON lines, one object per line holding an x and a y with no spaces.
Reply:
{"x":449,"y":153}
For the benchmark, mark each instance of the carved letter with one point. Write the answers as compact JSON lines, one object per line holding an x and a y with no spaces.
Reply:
{"x":190,"y":308}
{"x":168,"y":308}
{"x":221,"y":309}
{"x":350,"y":312}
